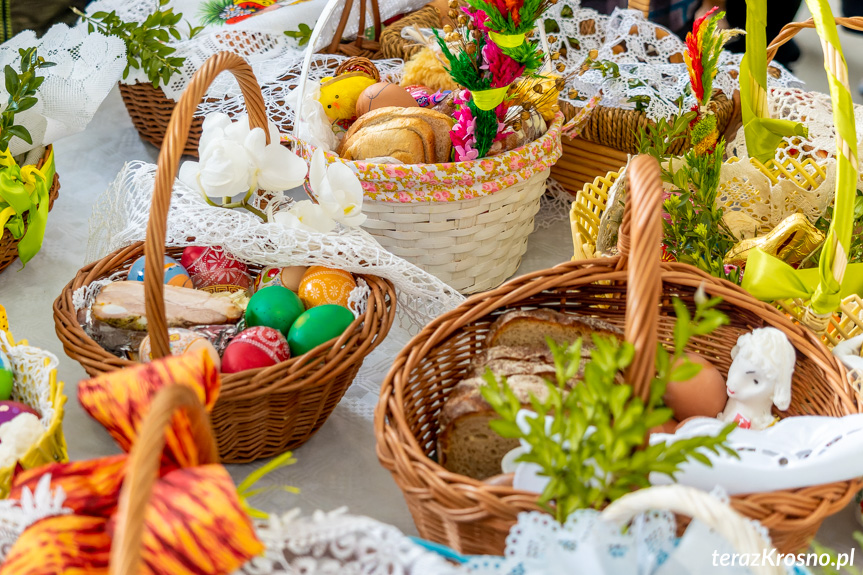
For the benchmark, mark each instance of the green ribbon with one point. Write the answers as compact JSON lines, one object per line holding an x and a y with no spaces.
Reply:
{"x":769,"y":278}
{"x":506,"y":40}
{"x":763,"y":134}
{"x":489,"y":99}
{"x":14,"y":184}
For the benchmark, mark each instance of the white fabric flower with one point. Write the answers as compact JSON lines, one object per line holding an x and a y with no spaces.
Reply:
{"x":338,"y":189}
{"x":235,"y":159}
{"x":306,"y":215}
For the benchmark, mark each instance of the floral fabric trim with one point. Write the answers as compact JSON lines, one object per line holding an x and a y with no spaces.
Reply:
{"x":453,"y":181}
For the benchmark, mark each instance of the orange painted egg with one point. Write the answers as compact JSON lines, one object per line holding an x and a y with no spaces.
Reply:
{"x":181,"y":341}
{"x":382,"y":95}
{"x":322,"y":285}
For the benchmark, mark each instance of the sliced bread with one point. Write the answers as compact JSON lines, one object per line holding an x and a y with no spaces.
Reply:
{"x":409,"y":141}
{"x":530,"y":328}
{"x":440,"y":123}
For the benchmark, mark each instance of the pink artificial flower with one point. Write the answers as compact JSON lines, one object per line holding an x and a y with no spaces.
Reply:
{"x":503,"y":69}
{"x":465,"y":153}
{"x":480,"y":18}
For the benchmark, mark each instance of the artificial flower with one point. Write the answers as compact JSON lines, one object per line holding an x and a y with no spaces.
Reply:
{"x":337,"y":188}
{"x":307,"y":216}
{"x":236,"y":159}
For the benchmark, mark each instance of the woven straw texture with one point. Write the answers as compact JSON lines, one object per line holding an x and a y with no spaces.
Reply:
{"x":472,"y":245}
{"x":633,"y":292}
{"x":150,"y":111}
{"x":36,"y":385}
{"x":392,"y":43}
{"x":8,"y":244}
{"x":260,"y":412}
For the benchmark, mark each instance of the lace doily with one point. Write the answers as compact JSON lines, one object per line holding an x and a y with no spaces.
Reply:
{"x":87,"y":68}
{"x":745,"y":188}
{"x":815,"y":111}
{"x":645,"y":54}
{"x":120,"y":218}
{"x":286,"y":72}
{"x":260,"y":39}
{"x":339,"y":544}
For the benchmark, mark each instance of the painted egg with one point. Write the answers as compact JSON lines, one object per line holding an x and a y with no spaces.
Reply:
{"x":318,"y":325}
{"x":7,"y":377}
{"x":9,"y":410}
{"x":276,"y":307}
{"x":180,"y":341}
{"x":175,"y":274}
{"x":384,"y":94}
{"x":268,"y":277}
{"x":322,"y":285}
{"x":253,"y":348}
{"x":212,"y":269}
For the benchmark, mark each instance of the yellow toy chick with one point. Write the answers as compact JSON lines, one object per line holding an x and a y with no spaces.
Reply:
{"x":339,"y":95}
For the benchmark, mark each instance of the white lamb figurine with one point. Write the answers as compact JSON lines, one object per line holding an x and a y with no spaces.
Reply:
{"x":759,"y":377}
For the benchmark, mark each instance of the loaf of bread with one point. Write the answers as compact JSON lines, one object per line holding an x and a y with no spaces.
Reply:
{"x":409,"y":141}
{"x":530,"y":328}
{"x":516,"y":349}
{"x":436,"y":141}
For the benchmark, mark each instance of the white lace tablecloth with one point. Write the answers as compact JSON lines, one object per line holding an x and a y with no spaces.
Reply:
{"x":338,"y":466}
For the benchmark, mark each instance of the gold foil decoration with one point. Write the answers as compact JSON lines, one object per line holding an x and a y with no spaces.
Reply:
{"x":791,"y":241}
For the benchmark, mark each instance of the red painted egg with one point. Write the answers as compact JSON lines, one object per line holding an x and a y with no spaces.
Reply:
{"x":9,"y":410}
{"x":212,"y":267}
{"x":255,"y":347}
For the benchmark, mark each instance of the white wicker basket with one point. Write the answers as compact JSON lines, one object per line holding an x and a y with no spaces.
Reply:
{"x":467,"y":223}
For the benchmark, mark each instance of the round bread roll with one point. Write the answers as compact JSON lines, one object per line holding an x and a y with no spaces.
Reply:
{"x":384,"y":94}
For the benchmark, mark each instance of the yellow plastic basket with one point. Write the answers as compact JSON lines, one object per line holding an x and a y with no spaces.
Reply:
{"x":36,"y":385}
{"x":590,"y":203}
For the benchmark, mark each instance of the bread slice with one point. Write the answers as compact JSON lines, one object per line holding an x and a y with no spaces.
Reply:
{"x":409,"y":141}
{"x":440,"y":123}
{"x":466,"y":443}
{"x":514,"y":353}
{"x":530,"y":328}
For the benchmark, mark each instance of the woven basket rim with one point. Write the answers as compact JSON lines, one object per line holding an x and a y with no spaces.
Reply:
{"x":397,"y":445}
{"x":234,"y":384}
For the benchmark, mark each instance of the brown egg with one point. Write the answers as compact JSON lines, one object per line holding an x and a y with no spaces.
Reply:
{"x":702,"y":395}
{"x":384,"y":94}
{"x":292,"y":276}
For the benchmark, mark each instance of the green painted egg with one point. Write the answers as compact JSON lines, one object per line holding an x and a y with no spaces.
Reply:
{"x":318,"y":325}
{"x":276,"y":307}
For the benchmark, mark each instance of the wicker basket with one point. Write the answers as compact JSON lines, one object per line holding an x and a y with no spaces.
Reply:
{"x":610,"y":134}
{"x":260,"y":412}
{"x":633,"y":291}
{"x":36,"y":385}
{"x":8,"y":244}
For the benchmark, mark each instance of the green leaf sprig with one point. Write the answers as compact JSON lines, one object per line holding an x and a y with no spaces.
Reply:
{"x":593,"y":448}
{"x":303,"y":34}
{"x":22,"y":87}
{"x":694,"y":230}
{"x":146,"y":42}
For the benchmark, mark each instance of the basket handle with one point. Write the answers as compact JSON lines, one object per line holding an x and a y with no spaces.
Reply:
{"x":734,"y":528}
{"x":343,"y":23}
{"x":142,"y":469}
{"x":639,"y":244}
{"x":169,"y":160}
{"x":791,"y":29}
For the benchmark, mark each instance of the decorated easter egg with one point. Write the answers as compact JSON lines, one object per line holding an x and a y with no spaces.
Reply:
{"x":268,"y":277}
{"x":9,"y":410}
{"x":180,"y":341}
{"x":276,"y":307}
{"x":253,"y":348}
{"x":212,"y":269}
{"x":382,"y":95}
{"x":175,"y":274}
{"x":322,"y":285}
{"x":318,"y":325}
{"x":703,"y":395}
{"x":7,"y":377}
